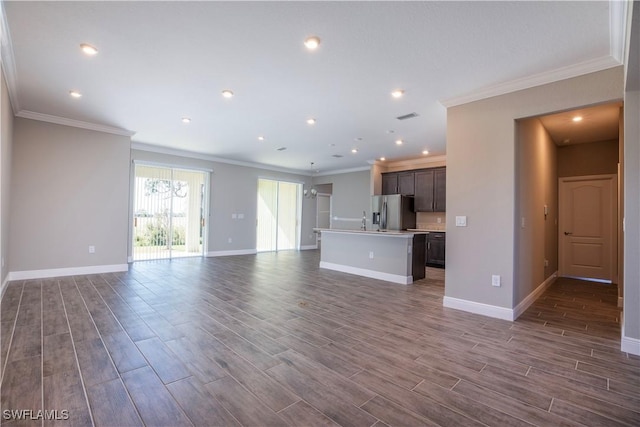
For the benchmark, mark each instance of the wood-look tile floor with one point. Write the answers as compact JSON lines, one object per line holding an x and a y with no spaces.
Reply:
{"x":270,"y":339}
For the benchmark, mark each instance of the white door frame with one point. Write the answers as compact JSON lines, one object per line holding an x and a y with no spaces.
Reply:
{"x":612,"y":178}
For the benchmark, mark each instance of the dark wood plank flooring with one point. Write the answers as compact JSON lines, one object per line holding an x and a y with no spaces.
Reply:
{"x":270,"y":339}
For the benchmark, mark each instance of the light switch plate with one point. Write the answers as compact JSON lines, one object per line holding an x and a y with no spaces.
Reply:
{"x":461,"y":221}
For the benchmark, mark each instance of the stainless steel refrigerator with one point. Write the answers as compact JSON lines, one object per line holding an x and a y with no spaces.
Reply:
{"x":393,"y":212}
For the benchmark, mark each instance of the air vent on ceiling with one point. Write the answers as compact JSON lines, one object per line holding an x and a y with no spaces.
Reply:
{"x":337,"y":156}
{"x":282,"y":148}
{"x":407,"y":116}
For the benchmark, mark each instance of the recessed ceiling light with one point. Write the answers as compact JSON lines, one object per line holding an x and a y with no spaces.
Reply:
{"x":88,"y":49}
{"x":75,"y":94}
{"x":227,"y":93}
{"x":311,"y":121}
{"x":399,"y":142}
{"x":186,"y":120}
{"x":382,"y":159}
{"x":425,"y":152}
{"x":566,"y":141}
{"x":312,"y":42}
{"x":397,"y":93}
{"x":261,"y":138}
{"x":354,"y":150}
{"x":391,"y":131}
{"x":358,"y":138}
{"x":577,"y":119}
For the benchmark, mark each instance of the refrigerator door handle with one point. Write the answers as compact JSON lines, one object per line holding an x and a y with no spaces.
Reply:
{"x":383,"y":216}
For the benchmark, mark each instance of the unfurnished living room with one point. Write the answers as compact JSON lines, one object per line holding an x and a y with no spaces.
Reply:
{"x":320,"y":213}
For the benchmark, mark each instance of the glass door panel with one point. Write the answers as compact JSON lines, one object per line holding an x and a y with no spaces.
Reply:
{"x":278,"y":225}
{"x":168,"y":213}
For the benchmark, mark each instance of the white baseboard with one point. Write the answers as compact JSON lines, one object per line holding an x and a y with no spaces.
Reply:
{"x":395,"y":278}
{"x":479,"y":308}
{"x":630,"y":345}
{"x":230,"y":253}
{"x":70,"y":271}
{"x":533,"y":296}
{"x":308,"y":247}
{"x":4,"y":286}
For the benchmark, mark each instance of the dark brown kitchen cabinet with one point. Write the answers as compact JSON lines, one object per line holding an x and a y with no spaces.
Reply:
{"x":398,"y":183}
{"x":430,"y":190}
{"x":389,"y":183}
{"x":440,"y":190}
{"x":423,"y":201}
{"x":435,"y":249}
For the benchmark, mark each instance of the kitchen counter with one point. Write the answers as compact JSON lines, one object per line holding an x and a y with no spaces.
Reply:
{"x":427,"y":230}
{"x":400,"y":233}
{"x":395,"y":256}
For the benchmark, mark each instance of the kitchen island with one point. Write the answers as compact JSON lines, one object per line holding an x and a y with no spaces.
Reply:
{"x":394,"y":256}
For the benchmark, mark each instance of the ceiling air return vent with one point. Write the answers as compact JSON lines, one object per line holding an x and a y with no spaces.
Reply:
{"x":337,"y":156}
{"x":407,"y":116}
{"x":282,"y":148}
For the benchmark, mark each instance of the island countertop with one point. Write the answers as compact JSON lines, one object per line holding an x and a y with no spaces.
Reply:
{"x":407,"y":234}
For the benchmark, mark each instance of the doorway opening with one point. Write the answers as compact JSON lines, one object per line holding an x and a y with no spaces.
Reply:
{"x":279,"y":215}
{"x":169,"y":211}
{"x":568,"y":193}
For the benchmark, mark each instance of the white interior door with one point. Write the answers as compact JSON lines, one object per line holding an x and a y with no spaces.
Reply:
{"x":323,"y":211}
{"x":587,"y":229}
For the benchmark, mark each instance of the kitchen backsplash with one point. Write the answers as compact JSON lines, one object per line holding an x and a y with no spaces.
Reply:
{"x":429,"y":220}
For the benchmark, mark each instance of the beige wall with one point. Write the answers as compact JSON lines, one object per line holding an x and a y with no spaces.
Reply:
{"x":596,"y":158}
{"x":481,"y":180}
{"x":631,"y":313}
{"x":70,"y":189}
{"x":631,"y":307}
{"x":6,"y":144}
{"x":537,"y":186}
{"x":351,"y":195}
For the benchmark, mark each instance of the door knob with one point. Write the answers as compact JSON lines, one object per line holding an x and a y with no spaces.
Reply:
{"x":568,"y":233}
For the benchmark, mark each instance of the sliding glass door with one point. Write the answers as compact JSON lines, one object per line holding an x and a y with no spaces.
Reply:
{"x":168,"y":212}
{"x":279,"y":210}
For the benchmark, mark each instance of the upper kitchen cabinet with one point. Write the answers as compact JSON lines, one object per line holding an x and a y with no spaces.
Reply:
{"x":389,"y":183}
{"x":430,"y":190}
{"x":440,"y":190}
{"x":398,"y":183}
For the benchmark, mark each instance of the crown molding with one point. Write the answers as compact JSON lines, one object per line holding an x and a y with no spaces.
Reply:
{"x":341,"y":171}
{"x":7,"y":61}
{"x":618,"y":11}
{"x":413,"y":162}
{"x":201,"y":156}
{"x":574,"y":70}
{"x":26,"y":114}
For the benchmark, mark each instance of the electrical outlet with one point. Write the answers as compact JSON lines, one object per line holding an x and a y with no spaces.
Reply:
{"x":546,"y":263}
{"x":240,"y":216}
{"x":92,"y":249}
{"x":229,"y":240}
{"x":522,"y":222}
{"x":439,"y":220}
{"x":234,"y":216}
{"x":495,"y":280}
{"x":461,"y":221}
{"x":371,"y":255}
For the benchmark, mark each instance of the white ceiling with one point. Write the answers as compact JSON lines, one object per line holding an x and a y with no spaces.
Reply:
{"x":161,"y":61}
